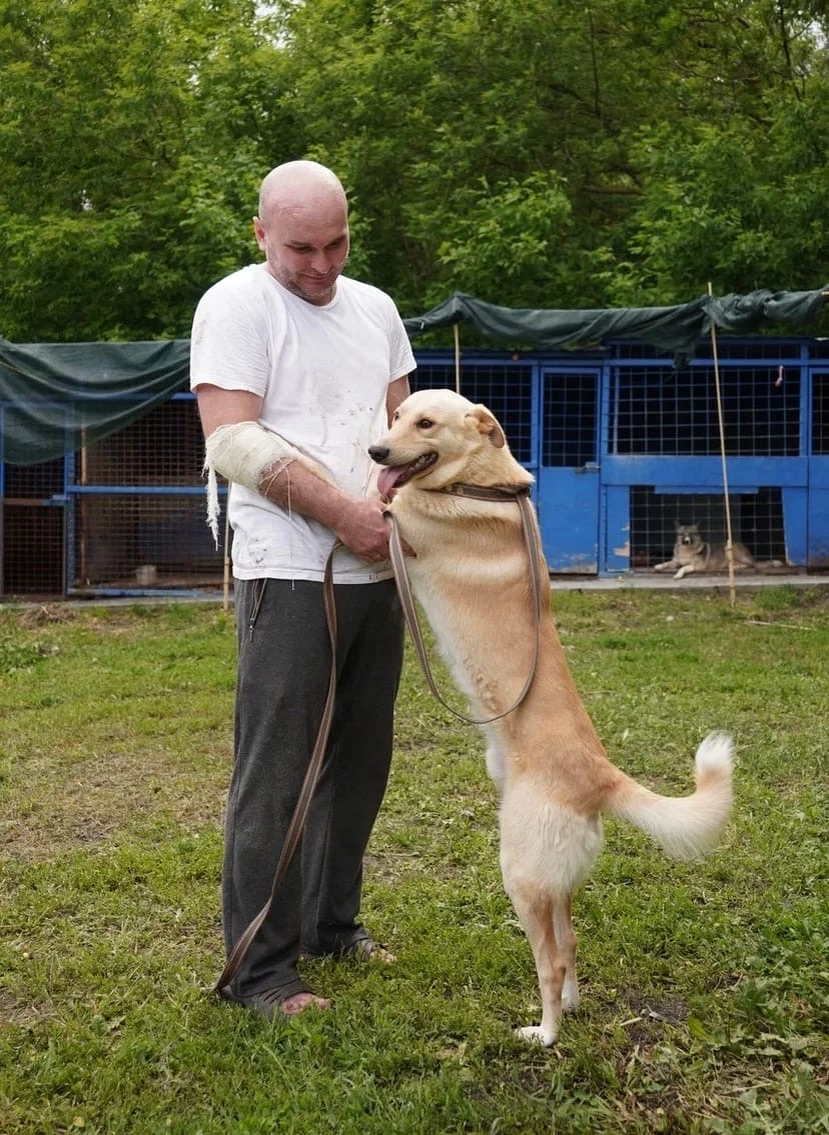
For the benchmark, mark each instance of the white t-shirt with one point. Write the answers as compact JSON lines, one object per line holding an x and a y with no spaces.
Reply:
{"x":323,"y":373}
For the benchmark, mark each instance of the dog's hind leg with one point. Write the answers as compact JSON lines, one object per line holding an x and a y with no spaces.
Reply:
{"x":539,"y":917}
{"x":566,"y":941}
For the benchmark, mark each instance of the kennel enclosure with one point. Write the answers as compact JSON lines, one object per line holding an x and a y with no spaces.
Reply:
{"x":622,"y":442}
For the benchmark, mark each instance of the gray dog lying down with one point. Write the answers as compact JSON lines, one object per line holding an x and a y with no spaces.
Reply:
{"x":692,"y":553}
{"x":470,"y":574}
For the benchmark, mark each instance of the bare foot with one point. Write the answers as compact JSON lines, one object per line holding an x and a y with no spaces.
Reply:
{"x":367,"y":950}
{"x":382,"y":955}
{"x":293,"y":1006}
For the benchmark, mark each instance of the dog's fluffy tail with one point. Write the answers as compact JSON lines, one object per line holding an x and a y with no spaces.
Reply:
{"x":685,"y":827}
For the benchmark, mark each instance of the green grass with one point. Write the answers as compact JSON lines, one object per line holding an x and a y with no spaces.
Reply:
{"x":705,"y":988}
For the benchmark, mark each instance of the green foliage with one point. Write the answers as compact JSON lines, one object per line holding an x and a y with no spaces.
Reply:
{"x":512,"y":230}
{"x":704,"y":987}
{"x":533,"y":154}
{"x":713,"y":205}
{"x":130,"y":142}
{"x":733,"y":189}
{"x":16,"y":653}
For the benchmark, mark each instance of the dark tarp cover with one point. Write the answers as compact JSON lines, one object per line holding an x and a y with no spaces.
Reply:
{"x":58,"y":398}
{"x":676,"y":330}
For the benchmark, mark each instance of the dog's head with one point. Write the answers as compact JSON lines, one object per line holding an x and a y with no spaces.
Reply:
{"x":688,"y":536}
{"x":438,"y":438}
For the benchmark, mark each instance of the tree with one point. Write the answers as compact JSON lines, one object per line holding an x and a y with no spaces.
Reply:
{"x":544,"y":154}
{"x":737,"y":196}
{"x":132,"y":137}
{"x":439,"y":113}
{"x":534,"y":153}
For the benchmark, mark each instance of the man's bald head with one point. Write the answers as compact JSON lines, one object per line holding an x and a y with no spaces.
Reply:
{"x":299,"y":185}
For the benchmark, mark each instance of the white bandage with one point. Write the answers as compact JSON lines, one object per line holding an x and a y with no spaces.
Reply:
{"x":241,"y":453}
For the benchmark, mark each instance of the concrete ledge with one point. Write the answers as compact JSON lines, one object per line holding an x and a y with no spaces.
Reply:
{"x":711,"y":581}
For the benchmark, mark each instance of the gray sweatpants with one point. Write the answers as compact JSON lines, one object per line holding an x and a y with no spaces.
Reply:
{"x":284,"y":666}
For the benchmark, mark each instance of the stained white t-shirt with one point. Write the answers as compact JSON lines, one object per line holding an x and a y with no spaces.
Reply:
{"x":323,"y":373}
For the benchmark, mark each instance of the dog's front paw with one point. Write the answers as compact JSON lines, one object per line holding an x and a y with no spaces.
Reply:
{"x":535,"y":1034}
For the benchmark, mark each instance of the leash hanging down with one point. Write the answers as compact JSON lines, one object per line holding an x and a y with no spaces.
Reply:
{"x":518,"y":495}
{"x":306,"y":792}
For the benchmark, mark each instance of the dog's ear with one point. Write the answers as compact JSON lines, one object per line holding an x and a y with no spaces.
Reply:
{"x":488,"y":426}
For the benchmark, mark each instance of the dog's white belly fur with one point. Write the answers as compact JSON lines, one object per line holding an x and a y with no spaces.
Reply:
{"x":475,"y":670}
{"x":485,"y":697}
{"x":536,"y":832}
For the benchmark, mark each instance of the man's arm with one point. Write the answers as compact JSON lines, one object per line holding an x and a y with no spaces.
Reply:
{"x":397,"y":391}
{"x":358,"y":524}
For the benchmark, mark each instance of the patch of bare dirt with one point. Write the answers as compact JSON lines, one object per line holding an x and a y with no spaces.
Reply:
{"x":14,"y":1012}
{"x":53,"y":814}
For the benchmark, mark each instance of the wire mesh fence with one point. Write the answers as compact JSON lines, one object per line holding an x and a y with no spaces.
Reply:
{"x":756,"y":522}
{"x":126,"y":514}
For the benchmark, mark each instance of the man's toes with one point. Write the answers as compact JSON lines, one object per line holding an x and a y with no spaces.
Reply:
{"x":293,"y":1006}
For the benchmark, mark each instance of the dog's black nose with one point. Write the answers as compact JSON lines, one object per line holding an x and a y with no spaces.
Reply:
{"x":378,"y":453}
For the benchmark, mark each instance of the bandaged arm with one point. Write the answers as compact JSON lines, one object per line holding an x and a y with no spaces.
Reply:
{"x":249,"y":454}
{"x":245,"y":451}
{"x":276,"y":469}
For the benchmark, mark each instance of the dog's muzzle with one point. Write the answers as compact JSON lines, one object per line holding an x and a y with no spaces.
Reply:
{"x":393,"y":476}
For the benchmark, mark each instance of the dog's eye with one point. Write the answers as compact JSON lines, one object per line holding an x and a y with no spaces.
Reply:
{"x":425,"y":424}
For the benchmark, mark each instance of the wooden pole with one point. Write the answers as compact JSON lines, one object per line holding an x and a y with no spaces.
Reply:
{"x":457,"y":358}
{"x":729,"y":545}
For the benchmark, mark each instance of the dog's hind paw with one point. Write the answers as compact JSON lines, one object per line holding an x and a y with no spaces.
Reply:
{"x":535,"y":1034}
{"x":570,"y":1001}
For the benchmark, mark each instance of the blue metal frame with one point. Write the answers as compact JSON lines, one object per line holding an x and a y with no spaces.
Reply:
{"x":818,"y":489}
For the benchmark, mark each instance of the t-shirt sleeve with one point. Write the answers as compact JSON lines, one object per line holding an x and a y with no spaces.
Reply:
{"x":228,"y":342}
{"x":401,"y":355}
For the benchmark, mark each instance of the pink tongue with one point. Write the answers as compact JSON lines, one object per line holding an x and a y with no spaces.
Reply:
{"x":388,"y":478}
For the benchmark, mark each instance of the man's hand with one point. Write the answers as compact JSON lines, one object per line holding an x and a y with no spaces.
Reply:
{"x":363,"y":529}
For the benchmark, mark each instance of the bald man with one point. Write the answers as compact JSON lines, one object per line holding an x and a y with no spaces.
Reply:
{"x":291,"y":357}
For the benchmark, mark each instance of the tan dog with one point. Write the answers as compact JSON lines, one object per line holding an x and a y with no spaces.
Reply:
{"x":470,"y":574}
{"x":692,"y":553}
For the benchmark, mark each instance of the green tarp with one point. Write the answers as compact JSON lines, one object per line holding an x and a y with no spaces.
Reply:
{"x":676,"y":330}
{"x":58,"y":398}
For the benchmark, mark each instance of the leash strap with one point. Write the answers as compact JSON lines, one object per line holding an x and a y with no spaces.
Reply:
{"x":404,"y":589}
{"x":306,"y":793}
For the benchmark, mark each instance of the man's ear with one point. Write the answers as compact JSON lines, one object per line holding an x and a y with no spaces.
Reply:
{"x":489,"y":427}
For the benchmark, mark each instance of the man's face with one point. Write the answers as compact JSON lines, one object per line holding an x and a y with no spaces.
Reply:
{"x":306,"y":248}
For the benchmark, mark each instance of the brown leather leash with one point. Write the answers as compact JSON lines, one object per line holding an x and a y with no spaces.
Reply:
{"x":509,"y":493}
{"x":306,"y":793}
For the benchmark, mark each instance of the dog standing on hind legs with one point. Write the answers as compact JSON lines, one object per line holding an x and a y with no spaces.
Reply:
{"x":470,"y":574}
